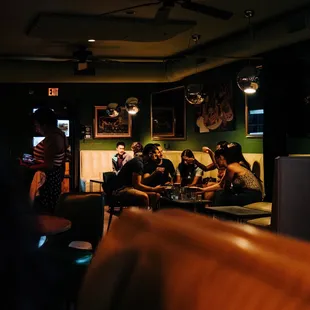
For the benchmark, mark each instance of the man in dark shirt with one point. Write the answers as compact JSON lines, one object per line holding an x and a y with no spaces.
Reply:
{"x":159,"y":173}
{"x":130,"y":190}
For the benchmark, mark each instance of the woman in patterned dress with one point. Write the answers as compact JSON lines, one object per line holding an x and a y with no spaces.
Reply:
{"x":49,"y":157}
{"x":239,"y":186}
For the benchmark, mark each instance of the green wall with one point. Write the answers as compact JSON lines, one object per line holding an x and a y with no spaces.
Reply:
{"x":86,"y":96}
{"x":101,"y":94}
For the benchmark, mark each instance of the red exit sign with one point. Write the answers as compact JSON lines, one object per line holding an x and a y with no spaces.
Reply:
{"x":53,"y":92}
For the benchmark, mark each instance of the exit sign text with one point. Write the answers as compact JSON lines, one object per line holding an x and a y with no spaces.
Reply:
{"x":53,"y":92}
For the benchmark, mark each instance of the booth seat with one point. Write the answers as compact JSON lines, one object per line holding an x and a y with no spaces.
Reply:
{"x":93,"y":163}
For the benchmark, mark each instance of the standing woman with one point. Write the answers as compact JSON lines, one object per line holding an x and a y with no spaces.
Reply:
{"x":49,"y":157}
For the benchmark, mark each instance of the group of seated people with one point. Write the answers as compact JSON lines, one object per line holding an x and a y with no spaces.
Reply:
{"x":142,"y":179}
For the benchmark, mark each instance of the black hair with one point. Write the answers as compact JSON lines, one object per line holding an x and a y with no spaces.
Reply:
{"x":222,"y":143}
{"x":157,"y":144}
{"x":149,"y":148}
{"x":184,"y":169}
{"x":120,"y":143}
{"x":137,"y":147}
{"x":242,"y":160}
{"x":45,"y":116}
{"x":233,"y":154}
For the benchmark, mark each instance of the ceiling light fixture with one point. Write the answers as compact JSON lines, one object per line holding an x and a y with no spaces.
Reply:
{"x":91,"y":40}
{"x":194,"y":94}
{"x":248,"y":80}
{"x":113,"y":110}
{"x":131,"y":105}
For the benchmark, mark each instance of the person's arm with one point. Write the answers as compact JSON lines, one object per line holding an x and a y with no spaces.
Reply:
{"x":214,"y":164}
{"x":212,"y":188}
{"x":178,"y":178}
{"x":171,"y":171}
{"x":209,"y":167}
{"x":149,"y":177}
{"x":51,"y":148}
{"x":137,"y":184}
{"x":195,"y":180}
{"x":113,"y":166}
{"x":198,"y":176}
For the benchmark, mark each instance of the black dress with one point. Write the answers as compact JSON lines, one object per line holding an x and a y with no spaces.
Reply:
{"x":50,"y":191}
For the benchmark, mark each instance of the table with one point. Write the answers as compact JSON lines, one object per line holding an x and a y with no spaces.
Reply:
{"x":98,"y":181}
{"x":193,"y":203}
{"x":52,"y":225}
{"x":236,"y":213}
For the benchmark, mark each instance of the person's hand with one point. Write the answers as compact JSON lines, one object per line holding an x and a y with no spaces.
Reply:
{"x":159,"y":189}
{"x":23,"y":164}
{"x":206,"y":150}
{"x":189,"y":160}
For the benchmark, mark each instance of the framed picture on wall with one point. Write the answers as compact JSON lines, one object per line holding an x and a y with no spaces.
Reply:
{"x":216,"y":113}
{"x":163,"y":122}
{"x":112,"y":127}
{"x":168,"y":114}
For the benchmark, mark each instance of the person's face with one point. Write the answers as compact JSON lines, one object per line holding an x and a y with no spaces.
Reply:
{"x":154,"y":157}
{"x":187,"y":160}
{"x":221,"y":161}
{"x":161,"y":152}
{"x":38,"y":128}
{"x":120,"y":149}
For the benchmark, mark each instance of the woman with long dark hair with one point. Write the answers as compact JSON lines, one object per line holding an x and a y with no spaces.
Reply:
{"x":187,"y":172}
{"x":239,"y":185}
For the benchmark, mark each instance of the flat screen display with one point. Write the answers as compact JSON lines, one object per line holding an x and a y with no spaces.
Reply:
{"x":36,"y":141}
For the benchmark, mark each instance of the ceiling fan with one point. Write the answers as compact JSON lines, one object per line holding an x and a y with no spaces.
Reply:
{"x":167,"y":5}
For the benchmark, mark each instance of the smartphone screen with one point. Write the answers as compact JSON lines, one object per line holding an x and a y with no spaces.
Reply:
{"x":28,"y":158}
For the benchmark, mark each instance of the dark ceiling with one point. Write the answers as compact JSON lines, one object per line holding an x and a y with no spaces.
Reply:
{"x":17,"y":16}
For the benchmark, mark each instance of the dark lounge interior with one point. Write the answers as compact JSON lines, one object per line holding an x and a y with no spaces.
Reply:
{"x":84,"y":61}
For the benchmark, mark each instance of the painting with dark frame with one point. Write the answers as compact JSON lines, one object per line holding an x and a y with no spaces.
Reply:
{"x":216,"y":113}
{"x":108,"y":127}
{"x":172,"y":102}
{"x":163,"y":122}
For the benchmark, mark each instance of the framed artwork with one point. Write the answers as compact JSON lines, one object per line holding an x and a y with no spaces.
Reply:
{"x":163,"y":122}
{"x":216,"y":113}
{"x":168,"y":114}
{"x":112,"y":127}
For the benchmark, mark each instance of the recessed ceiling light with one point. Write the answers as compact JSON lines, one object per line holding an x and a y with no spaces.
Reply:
{"x":91,"y":40}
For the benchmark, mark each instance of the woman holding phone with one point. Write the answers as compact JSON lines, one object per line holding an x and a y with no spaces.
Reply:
{"x":49,"y":157}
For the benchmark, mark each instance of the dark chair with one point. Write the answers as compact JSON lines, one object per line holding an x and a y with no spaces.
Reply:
{"x":109,"y":179}
{"x":86,"y":213}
